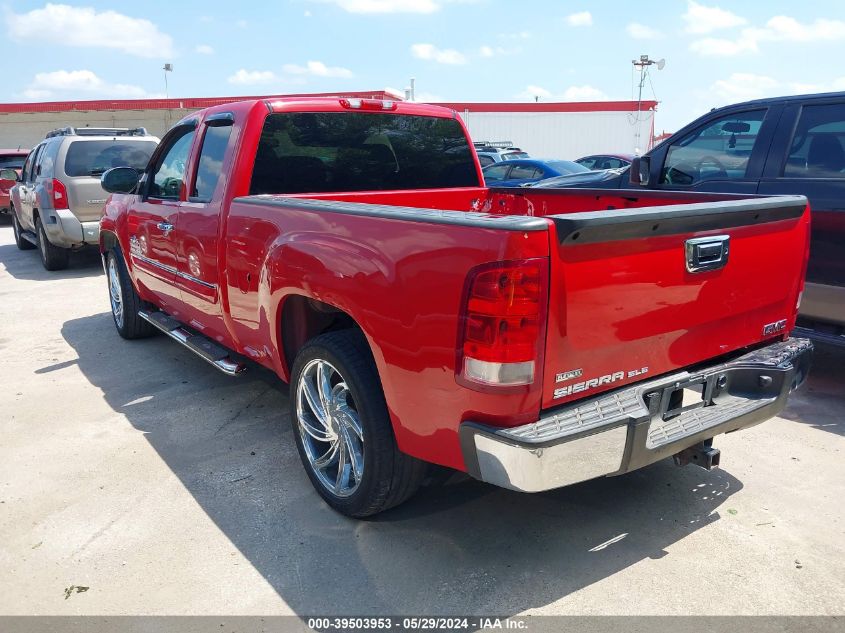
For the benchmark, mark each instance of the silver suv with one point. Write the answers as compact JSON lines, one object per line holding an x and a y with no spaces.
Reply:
{"x":57,"y":202}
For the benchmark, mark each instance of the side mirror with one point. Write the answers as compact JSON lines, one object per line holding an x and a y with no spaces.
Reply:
{"x":9,"y":174}
{"x":640,"y":171}
{"x":120,"y":180}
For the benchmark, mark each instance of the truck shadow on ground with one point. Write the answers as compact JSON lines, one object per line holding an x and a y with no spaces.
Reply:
{"x":459,"y":547}
{"x":821,"y":401}
{"x":27,"y":264}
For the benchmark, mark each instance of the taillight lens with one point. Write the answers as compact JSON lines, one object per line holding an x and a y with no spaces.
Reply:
{"x":59,"y":194}
{"x":503,"y":324}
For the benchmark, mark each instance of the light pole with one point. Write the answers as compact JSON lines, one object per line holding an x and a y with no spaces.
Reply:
{"x":168,"y":68}
{"x":642,"y":65}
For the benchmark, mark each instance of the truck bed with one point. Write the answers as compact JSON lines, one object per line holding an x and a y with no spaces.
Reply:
{"x":622,"y":306}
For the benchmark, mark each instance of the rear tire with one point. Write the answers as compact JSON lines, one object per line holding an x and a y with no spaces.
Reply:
{"x":53,"y":257}
{"x":343,"y":431}
{"x":22,"y":243}
{"x":125,"y":302}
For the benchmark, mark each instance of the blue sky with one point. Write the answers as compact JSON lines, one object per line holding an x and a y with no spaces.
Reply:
{"x":458,"y":50}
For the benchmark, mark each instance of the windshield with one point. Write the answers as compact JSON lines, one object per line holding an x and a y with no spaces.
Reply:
{"x":11,"y":162}
{"x":92,"y":158}
{"x":316,"y":152}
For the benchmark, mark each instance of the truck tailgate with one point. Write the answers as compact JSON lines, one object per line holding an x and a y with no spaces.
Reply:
{"x":640,"y":292}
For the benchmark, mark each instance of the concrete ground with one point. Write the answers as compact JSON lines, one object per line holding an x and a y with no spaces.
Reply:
{"x":138,"y":471}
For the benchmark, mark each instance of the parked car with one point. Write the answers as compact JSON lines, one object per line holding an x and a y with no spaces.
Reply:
{"x":58,"y":200}
{"x":10,"y":159}
{"x":781,"y":145}
{"x":606,"y":161}
{"x":420,"y":317}
{"x":515,"y":173}
{"x":597,"y":178}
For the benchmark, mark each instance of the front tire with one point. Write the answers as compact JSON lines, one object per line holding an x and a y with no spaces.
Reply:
{"x":53,"y":257}
{"x":125,"y":302}
{"x":342,"y":428}
{"x":22,"y":243}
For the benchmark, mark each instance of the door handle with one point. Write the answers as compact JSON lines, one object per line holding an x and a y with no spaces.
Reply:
{"x":164,"y":227}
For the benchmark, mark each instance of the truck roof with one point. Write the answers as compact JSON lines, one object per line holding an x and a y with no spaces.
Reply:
{"x":786,"y":98}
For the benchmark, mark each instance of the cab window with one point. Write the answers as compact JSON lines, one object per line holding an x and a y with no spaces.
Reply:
{"x":818,"y":145}
{"x":210,"y":163}
{"x":168,"y":174}
{"x":719,"y":150}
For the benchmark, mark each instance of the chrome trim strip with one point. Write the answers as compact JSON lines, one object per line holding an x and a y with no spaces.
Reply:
{"x":173,"y":271}
{"x":206,"y":284}
{"x":152,"y":262}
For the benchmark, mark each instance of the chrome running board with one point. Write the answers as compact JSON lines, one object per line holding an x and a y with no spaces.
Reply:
{"x":203,"y":347}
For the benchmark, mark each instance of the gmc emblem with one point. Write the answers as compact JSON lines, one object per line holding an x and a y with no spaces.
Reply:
{"x":774,"y":328}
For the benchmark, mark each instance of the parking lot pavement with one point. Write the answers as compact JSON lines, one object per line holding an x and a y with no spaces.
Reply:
{"x":136,"y":470}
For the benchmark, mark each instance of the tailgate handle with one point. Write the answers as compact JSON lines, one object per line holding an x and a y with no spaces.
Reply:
{"x":706,"y":253}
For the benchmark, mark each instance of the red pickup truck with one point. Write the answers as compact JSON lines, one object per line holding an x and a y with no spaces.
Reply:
{"x":532,"y":338}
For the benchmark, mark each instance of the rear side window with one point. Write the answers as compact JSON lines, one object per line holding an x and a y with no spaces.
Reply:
{"x":525,"y":172}
{"x":818,"y":145}
{"x":495,"y":173}
{"x":338,"y":151}
{"x":210,"y":164}
{"x":92,"y":158}
{"x":719,"y":150}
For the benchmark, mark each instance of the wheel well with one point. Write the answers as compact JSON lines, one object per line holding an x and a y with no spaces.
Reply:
{"x":107,"y":242}
{"x":303,"y":318}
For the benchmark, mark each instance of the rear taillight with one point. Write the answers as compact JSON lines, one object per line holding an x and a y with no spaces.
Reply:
{"x":58,"y":194}
{"x":503,"y":323}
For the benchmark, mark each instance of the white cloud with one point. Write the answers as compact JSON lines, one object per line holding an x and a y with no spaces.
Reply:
{"x":204,"y":49}
{"x":486,"y":51}
{"x":715,"y":47}
{"x":67,"y":84}
{"x":642,"y":32}
{"x":87,"y":27}
{"x":497,"y":51}
{"x":573,"y":93}
{"x":584,"y":93}
{"x":780,"y":28}
{"x":746,"y":86}
{"x":582,"y":18}
{"x":252,"y":77}
{"x":702,"y":19}
{"x":531,"y":92}
{"x":318,"y":69}
{"x":387,"y":6}
{"x":241,"y":24}
{"x":441,"y":55}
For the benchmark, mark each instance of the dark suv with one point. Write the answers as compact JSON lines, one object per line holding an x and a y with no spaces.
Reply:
{"x":784,"y":145}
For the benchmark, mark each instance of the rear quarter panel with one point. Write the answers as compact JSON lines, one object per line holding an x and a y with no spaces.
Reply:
{"x":402,"y":281}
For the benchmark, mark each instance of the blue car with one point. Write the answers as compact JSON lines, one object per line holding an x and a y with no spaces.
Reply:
{"x":515,"y":173}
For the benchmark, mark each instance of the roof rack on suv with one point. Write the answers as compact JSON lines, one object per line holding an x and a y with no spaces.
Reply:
{"x":495,"y":144}
{"x":98,"y":131}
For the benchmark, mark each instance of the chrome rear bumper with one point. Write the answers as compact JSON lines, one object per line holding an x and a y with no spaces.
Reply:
{"x":629,"y":428}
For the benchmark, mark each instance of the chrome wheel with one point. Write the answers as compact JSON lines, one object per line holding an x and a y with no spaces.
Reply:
{"x":115,"y":293}
{"x":330,"y":428}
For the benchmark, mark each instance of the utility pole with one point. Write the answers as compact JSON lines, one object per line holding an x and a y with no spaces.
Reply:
{"x":642,"y":64}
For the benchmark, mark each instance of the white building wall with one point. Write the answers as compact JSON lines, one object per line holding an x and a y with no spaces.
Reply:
{"x":565,"y":135}
{"x":27,"y":129}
